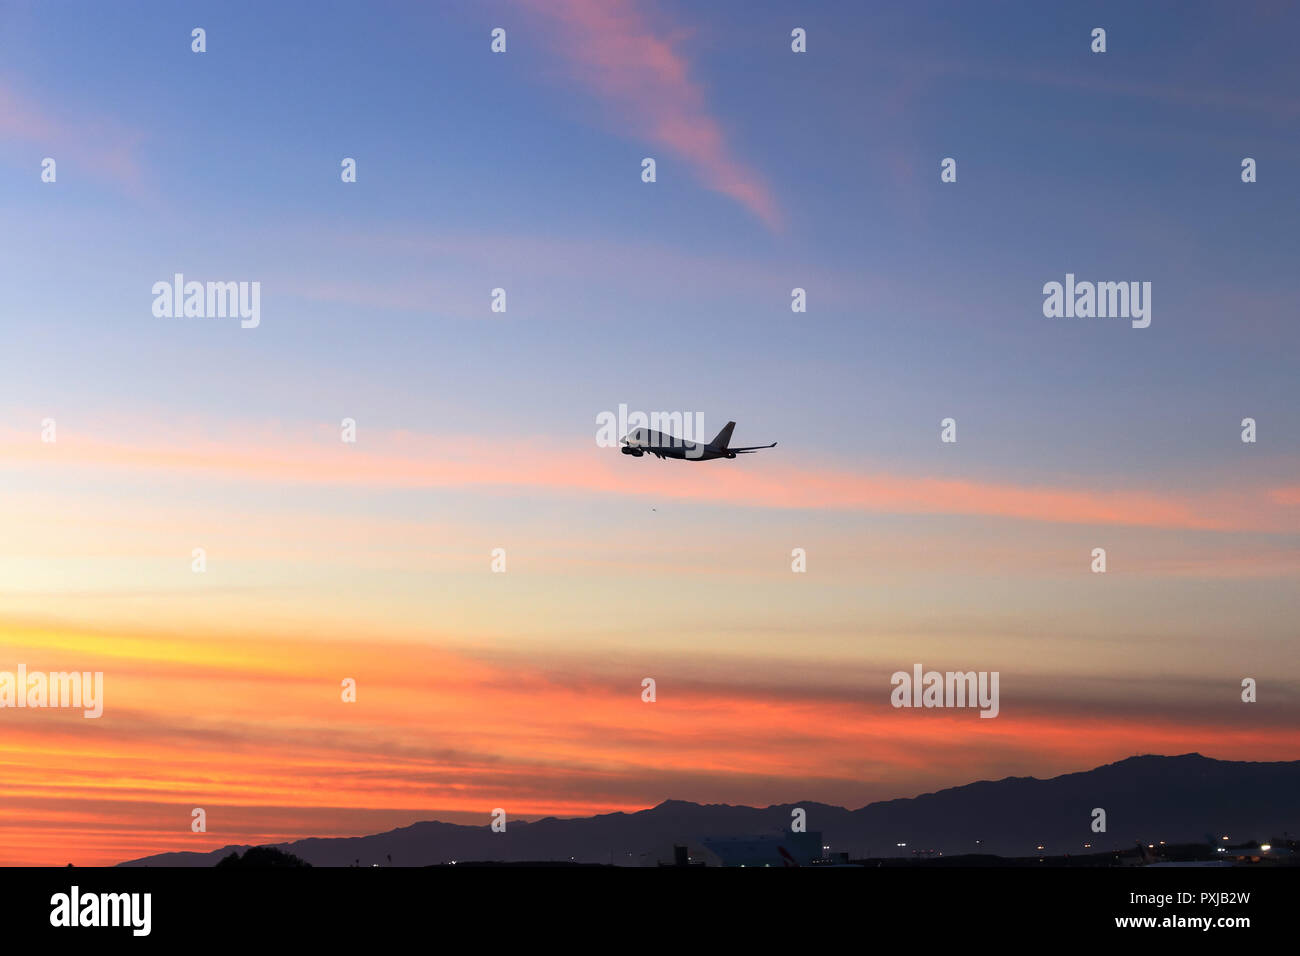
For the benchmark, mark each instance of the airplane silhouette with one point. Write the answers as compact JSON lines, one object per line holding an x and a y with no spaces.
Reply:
{"x":640,"y":441}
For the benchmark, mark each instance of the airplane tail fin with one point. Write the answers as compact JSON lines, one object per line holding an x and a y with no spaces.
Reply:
{"x":723,"y":438}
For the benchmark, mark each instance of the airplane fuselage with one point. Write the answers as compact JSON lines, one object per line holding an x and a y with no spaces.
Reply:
{"x":646,"y":441}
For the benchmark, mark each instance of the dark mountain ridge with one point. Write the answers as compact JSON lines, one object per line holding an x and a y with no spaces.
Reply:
{"x":1178,"y":799}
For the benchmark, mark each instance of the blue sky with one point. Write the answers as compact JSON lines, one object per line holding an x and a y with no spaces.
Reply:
{"x":924,"y":298}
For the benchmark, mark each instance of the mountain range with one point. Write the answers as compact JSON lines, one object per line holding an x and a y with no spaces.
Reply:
{"x":1149,"y":798}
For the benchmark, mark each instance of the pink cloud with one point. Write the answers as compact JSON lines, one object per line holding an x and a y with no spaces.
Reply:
{"x":410,"y":460}
{"x":615,"y":51}
{"x":1286,"y":495}
{"x":105,"y":150}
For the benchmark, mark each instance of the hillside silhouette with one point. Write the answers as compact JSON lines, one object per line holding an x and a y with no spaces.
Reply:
{"x":1146,"y":798}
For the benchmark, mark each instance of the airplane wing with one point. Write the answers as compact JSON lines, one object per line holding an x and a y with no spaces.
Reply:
{"x":751,"y":449}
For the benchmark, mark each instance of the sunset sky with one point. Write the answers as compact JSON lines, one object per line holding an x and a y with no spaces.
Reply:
{"x":476,"y":430}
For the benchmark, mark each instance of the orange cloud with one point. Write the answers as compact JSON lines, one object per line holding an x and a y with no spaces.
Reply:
{"x":621,"y":57}
{"x":255,"y":732}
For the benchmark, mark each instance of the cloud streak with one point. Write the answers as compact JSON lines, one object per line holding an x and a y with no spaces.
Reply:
{"x":614,"y":51}
{"x":253,"y":730}
{"x":401,"y":459}
{"x":103,"y":149}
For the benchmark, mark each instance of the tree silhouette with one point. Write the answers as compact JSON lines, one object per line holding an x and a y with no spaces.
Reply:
{"x":261,"y":857}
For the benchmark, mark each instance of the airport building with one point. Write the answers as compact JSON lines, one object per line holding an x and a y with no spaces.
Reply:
{"x":784,"y":849}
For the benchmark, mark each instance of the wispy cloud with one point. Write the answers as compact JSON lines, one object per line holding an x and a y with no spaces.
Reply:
{"x":617,"y":52}
{"x":402,"y":459}
{"x":104,"y":149}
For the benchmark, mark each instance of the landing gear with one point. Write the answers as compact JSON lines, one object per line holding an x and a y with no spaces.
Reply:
{"x":634,"y":452}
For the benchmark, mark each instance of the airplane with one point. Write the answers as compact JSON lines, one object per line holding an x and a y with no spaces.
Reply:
{"x":639,"y":441}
